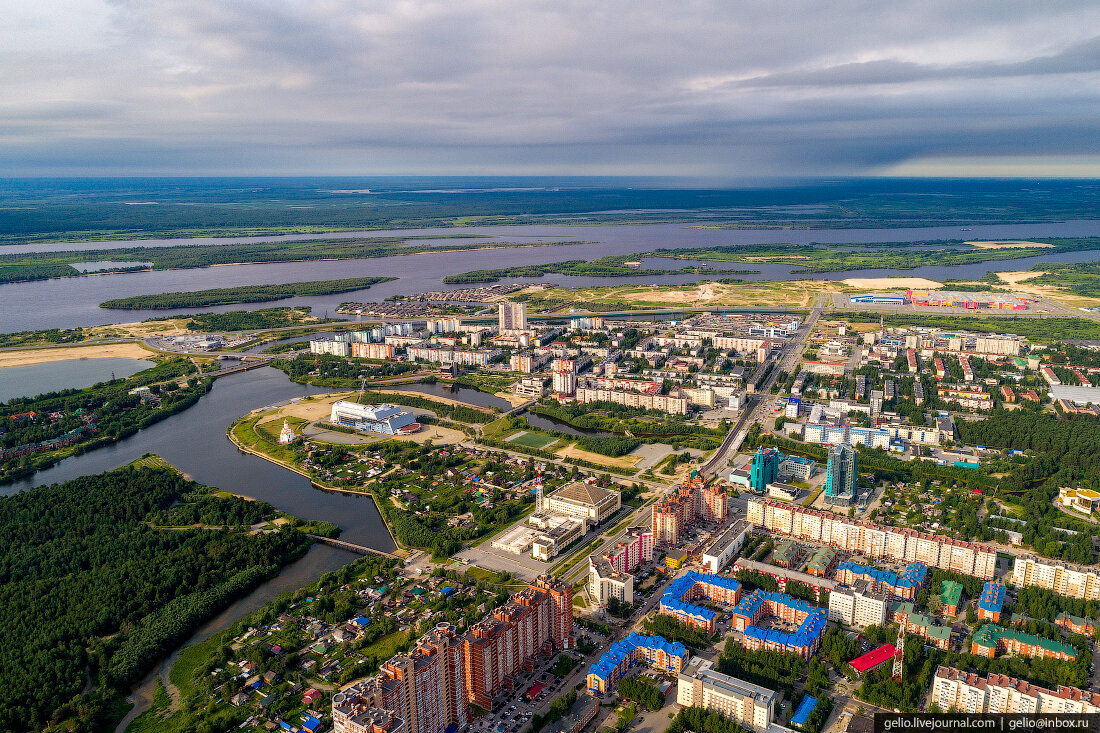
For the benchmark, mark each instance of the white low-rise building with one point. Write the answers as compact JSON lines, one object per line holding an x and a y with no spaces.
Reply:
{"x":384,"y":419}
{"x":718,"y":555}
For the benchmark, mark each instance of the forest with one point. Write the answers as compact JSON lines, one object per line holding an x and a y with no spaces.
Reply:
{"x":63,"y":210}
{"x":88,"y":591}
{"x":85,"y":419}
{"x":249,"y":320}
{"x":613,"y":266}
{"x":242,"y":294}
{"x":810,"y":258}
{"x":41,"y":265}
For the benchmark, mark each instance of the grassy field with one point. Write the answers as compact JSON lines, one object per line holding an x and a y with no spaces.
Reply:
{"x":761,"y":294}
{"x":533,"y":440}
{"x":152,"y":460}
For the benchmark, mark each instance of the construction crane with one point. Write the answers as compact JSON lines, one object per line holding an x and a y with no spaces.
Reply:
{"x":899,"y":656}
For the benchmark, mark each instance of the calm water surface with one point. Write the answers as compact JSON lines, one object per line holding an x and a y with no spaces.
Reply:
{"x":36,"y":379}
{"x":70,"y":302}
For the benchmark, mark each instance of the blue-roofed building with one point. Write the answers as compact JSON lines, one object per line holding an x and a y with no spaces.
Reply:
{"x":311,"y":724}
{"x":991,"y":602}
{"x":655,"y":651}
{"x":802,"y":713}
{"x":759,"y":604}
{"x":361,"y":621}
{"x":904,"y":586}
{"x":677,"y":600}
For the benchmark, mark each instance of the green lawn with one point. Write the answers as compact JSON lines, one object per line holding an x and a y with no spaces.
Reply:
{"x":533,"y":440}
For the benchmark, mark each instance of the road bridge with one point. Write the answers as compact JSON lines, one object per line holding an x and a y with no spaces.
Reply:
{"x":351,"y":547}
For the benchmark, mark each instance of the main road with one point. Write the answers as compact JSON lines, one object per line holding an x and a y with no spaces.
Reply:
{"x":789,"y":359}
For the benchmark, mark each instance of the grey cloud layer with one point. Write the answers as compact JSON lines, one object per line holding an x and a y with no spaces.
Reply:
{"x":411,"y":86}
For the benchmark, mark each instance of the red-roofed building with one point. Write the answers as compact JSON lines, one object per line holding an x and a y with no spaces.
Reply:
{"x":533,"y":691}
{"x":873,"y":658}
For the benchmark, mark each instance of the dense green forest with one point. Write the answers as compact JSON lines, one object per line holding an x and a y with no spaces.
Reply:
{"x":90,"y":593}
{"x":42,"y":265}
{"x":248,"y":320}
{"x":242,"y":294}
{"x":36,"y":432}
{"x":58,"y":210}
{"x":613,"y":266}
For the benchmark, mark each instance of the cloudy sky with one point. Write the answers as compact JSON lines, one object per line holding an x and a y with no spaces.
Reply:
{"x":722,"y":88}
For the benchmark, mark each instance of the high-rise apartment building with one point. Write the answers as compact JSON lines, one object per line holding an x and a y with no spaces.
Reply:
{"x":419,"y":692}
{"x":764,"y":469}
{"x":693,"y":501}
{"x":512,"y":317}
{"x":537,"y":620}
{"x":841,"y":479}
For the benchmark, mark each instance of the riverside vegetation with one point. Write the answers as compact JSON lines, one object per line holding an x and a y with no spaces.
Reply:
{"x":121,"y":593}
{"x":242,"y":294}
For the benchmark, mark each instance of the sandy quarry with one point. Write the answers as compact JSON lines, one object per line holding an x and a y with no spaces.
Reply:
{"x":892,"y":283}
{"x":41,"y":356}
{"x":1009,"y":244}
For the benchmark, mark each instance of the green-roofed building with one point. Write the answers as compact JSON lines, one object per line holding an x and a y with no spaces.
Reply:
{"x":993,"y":638}
{"x":785,"y":554}
{"x":905,"y":615}
{"x":951,"y":597}
{"x":821,"y":562}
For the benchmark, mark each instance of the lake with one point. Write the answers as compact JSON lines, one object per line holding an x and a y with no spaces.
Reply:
{"x":36,"y":379}
{"x":71,"y":302}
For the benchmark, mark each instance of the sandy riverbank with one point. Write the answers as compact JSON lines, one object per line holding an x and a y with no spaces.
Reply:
{"x":68,"y":353}
{"x":1009,"y":244}
{"x":892,"y":283}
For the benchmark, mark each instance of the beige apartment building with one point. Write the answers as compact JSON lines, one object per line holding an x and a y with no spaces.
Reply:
{"x":873,"y":540}
{"x":1066,"y":580}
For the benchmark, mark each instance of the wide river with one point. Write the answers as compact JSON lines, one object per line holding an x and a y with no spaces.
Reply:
{"x":71,"y":302}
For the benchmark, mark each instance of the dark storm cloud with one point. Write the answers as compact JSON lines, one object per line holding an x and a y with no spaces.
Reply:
{"x":488,"y":86}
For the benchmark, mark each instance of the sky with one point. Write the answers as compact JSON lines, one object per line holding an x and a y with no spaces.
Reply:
{"x":530,"y":87}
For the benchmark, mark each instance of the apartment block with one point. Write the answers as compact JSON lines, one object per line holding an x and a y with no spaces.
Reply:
{"x":537,"y":620}
{"x":655,"y":651}
{"x":873,"y":540}
{"x":966,"y":692}
{"x":699,"y":685}
{"x":858,"y":606}
{"x":422,"y":691}
{"x":992,"y":639}
{"x":1061,"y":578}
{"x":678,"y":599}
